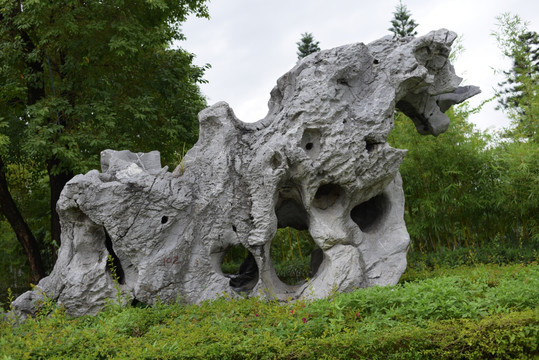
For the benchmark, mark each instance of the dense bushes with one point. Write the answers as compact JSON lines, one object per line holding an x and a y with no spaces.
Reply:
{"x":465,"y":188}
{"x":480,"y":312}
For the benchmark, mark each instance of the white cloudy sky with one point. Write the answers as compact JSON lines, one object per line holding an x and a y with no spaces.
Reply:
{"x":250,"y":43}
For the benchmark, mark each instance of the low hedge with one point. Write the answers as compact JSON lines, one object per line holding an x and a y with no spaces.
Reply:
{"x":483,"y":312}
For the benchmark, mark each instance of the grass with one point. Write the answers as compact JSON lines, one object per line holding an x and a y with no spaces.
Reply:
{"x":463,"y":312}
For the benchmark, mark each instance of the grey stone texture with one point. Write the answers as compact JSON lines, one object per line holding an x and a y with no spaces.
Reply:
{"x":319,"y":161}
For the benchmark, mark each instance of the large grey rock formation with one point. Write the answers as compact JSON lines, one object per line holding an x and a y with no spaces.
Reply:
{"x":319,"y":161}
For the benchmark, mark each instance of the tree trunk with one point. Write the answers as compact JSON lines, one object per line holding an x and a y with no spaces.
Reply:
{"x":9,"y":209}
{"x":57,"y":182}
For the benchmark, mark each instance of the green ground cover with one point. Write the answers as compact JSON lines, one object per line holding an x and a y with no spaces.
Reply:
{"x":483,"y":311}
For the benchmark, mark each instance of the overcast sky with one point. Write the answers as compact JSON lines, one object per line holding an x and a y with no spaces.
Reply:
{"x":251,"y":43}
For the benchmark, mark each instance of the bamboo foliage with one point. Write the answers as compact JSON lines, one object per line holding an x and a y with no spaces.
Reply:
{"x":463,"y":188}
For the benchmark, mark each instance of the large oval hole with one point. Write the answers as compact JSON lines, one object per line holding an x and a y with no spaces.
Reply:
{"x":294,"y":255}
{"x":293,"y":252}
{"x":240,"y":266}
{"x":369,"y":215}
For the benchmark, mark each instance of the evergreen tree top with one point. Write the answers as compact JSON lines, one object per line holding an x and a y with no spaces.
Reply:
{"x":307,"y":45}
{"x":402,"y":24}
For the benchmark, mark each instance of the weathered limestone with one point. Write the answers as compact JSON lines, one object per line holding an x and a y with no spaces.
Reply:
{"x":319,"y":161}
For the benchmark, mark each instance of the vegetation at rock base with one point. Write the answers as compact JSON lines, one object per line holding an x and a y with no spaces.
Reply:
{"x":465,"y":312}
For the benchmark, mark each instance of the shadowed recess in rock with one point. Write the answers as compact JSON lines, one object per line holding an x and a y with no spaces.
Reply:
{"x":115,"y":267}
{"x":369,"y":215}
{"x":243,"y":274}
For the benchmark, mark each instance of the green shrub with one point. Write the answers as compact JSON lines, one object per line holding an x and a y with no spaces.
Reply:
{"x":294,"y":271}
{"x":481,"y":312}
{"x":496,"y":252}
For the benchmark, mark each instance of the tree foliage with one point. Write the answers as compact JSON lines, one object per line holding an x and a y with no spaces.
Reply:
{"x":463,"y":188}
{"x":468,"y":188}
{"x":80,"y":77}
{"x":519,"y":93}
{"x":447,"y":182}
{"x":307,"y":45}
{"x":402,"y":24}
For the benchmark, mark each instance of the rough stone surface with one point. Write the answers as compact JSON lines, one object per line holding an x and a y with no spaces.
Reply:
{"x":319,"y":161}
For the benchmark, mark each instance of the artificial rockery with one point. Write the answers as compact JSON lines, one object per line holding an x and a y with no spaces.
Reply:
{"x":318,"y":161}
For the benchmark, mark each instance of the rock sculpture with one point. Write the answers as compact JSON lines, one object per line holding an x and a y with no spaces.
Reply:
{"x":319,"y":161}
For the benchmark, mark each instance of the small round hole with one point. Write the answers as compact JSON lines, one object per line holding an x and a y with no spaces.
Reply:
{"x":376,"y":62}
{"x":309,"y":146}
{"x":164,"y":219}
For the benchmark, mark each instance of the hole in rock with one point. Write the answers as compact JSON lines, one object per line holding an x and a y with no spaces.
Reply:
{"x":310,"y":141}
{"x":293,"y":252}
{"x":370,"y":144}
{"x":294,"y":255}
{"x":139,"y":304}
{"x":297,"y":115}
{"x":376,"y":62}
{"x":343,"y":81}
{"x":164,"y":219}
{"x":275,"y":161}
{"x":370,"y":214}
{"x":240,"y":266}
{"x":290,"y":213}
{"x":326,"y":196}
{"x":114,"y":267}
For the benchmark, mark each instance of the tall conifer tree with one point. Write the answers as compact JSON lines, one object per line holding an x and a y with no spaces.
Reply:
{"x":519,"y":93}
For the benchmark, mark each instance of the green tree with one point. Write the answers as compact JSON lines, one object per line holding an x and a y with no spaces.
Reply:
{"x":307,"y":45}
{"x":79,"y":77}
{"x":519,"y":94}
{"x":402,"y":24}
{"x":517,"y":156}
{"x":517,"y":191}
{"x":464,"y":188}
{"x":448,"y":182}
